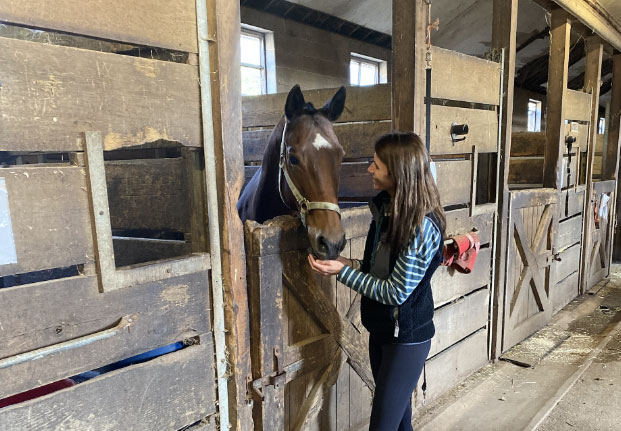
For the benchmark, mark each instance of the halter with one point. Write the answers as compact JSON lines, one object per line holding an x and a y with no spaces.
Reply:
{"x":305,"y":206}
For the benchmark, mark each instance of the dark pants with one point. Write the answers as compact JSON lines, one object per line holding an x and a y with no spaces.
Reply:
{"x":396,"y":369}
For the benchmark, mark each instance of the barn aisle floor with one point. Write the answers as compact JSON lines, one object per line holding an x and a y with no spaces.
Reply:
{"x":568,"y":377}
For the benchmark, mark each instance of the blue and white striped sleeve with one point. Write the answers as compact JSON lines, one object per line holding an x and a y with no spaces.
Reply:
{"x":409,"y":270}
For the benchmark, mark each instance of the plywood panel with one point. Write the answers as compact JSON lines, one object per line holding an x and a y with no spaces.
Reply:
{"x":51,"y":94}
{"x":357,"y":139}
{"x":150,"y":22}
{"x":448,"y":284}
{"x":168,"y":392}
{"x":456,"y":321}
{"x":482,"y":125}
{"x":577,"y":105}
{"x":463,"y":77}
{"x":455,"y":364}
{"x":148,"y":194}
{"x":361,"y":104}
{"x":50,"y":217}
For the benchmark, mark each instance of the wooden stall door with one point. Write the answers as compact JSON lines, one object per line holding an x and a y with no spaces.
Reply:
{"x":532,"y":225}
{"x":598,"y":257}
{"x":309,"y":350}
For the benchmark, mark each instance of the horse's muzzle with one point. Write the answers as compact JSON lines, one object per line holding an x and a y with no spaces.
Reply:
{"x":329,"y":250}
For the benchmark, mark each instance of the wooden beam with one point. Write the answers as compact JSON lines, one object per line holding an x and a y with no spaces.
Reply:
{"x":504,"y":31}
{"x":578,"y":82}
{"x":539,"y":35}
{"x":557,"y":83}
{"x":612,"y":154}
{"x":592,"y":77}
{"x":408,"y":81}
{"x":223,"y":20}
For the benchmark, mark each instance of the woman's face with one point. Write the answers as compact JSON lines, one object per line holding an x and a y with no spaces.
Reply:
{"x":381,"y":178}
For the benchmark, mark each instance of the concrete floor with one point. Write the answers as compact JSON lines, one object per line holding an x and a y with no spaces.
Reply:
{"x":573,"y":383}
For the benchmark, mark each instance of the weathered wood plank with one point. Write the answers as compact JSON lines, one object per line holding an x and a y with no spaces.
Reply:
{"x":454,"y":192}
{"x":165,"y":312}
{"x":458,"y":320}
{"x":150,"y":23}
{"x":614,"y":116}
{"x":362,"y":104}
{"x":575,"y":203}
{"x":580,"y":132}
{"x":448,"y":368}
{"x":131,"y":251}
{"x":533,"y":198}
{"x":50,"y":218}
{"x":577,"y":105}
{"x":148,"y":194}
{"x":357,"y":139}
{"x":569,"y":231}
{"x":527,"y":144}
{"x":168,"y":392}
{"x":570,"y":261}
{"x":564,"y":291}
{"x":448,"y":284}
{"x":526,"y":170}
{"x":52,"y":93}
{"x":459,"y":221}
{"x":482,"y":125}
{"x":459,"y":76}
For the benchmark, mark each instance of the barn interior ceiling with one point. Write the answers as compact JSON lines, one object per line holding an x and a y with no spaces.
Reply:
{"x":465,"y":26}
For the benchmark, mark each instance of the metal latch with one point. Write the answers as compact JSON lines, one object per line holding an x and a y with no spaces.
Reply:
{"x":277,"y":379}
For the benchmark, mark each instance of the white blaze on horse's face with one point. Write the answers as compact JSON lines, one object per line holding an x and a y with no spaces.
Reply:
{"x":320,"y":142}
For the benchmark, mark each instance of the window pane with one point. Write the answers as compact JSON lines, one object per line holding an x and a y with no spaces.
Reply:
{"x":368,"y":74}
{"x":250,"y":50}
{"x":251,"y":81}
{"x":354,"y":70}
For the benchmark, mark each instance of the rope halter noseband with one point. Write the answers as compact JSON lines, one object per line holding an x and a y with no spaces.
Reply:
{"x":305,"y":206}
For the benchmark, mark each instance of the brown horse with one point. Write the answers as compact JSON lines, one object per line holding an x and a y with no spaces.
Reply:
{"x":300,"y":173}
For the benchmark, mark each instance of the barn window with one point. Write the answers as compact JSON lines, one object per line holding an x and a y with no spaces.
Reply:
{"x":253,"y":77}
{"x":534,"y":115}
{"x":601,"y":126}
{"x":365,"y":70}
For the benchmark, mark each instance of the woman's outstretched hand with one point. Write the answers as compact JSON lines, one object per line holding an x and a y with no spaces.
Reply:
{"x":327,"y":267}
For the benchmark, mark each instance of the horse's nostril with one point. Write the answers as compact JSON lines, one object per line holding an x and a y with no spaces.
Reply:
{"x":322,"y":244}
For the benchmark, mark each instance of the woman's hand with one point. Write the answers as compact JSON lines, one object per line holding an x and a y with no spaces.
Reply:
{"x":327,"y":267}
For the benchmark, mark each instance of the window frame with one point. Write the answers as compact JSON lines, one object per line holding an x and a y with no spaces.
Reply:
{"x":361,"y":59}
{"x":262,"y":67}
{"x":537,"y":111}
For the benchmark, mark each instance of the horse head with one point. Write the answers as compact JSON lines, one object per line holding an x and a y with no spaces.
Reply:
{"x":310,"y":163}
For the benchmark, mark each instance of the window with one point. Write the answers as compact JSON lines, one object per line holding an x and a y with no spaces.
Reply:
{"x":534,"y":115}
{"x":253,"y":63}
{"x":601,"y":126}
{"x":364,"y":70}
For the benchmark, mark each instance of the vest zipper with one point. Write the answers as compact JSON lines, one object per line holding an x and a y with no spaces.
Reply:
{"x":395,"y":314}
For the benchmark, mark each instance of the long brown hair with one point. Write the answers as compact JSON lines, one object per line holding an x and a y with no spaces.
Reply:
{"x":415,"y":194}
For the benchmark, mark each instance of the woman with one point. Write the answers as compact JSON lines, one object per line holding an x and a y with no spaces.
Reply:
{"x":402,"y":251}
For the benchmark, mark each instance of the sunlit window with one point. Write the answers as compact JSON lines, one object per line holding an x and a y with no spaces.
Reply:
{"x":363,"y":71}
{"x":253,"y":63}
{"x":534,"y":115}
{"x":601,"y":126}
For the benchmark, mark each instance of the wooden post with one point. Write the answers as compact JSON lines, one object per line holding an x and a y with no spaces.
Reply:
{"x":224,"y":48}
{"x":408,"y":73}
{"x":612,"y":160}
{"x":614,"y":114}
{"x":557,"y":84}
{"x":503,"y":36}
{"x":592,"y":76}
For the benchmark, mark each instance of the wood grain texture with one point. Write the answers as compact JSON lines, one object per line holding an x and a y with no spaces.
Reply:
{"x":52,"y":93}
{"x":569,"y":232}
{"x":577,"y":105}
{"x":482,"y":125}
{"x":458,"y":320}
{"x":168,"y":392}
{"x":150,"y":22}
{"x":459,"y":76}
{"x":611,"y":167}
{"x":148,"y":194}
{"x":50,"y":218}
{"x":132,"y":251}
{"x":448,"y":284}
{"x":361,"y":104}
{"x":454,"y":181}
{"x":60,"y":310}
{"x":570,"y":261}
{"x":565,"y":291}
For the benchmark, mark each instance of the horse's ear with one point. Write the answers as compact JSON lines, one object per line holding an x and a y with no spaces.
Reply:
{"x":333,"y":109}
{"x":295,"y":103}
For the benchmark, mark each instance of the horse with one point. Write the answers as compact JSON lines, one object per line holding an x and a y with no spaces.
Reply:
{"x":300,"y":173}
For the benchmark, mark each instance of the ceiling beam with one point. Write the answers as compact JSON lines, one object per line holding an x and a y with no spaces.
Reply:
{"x":543,"y":34}
{"x":578,"y":82}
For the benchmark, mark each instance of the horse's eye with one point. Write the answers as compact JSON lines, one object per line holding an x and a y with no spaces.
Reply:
{"x":294,"y":160}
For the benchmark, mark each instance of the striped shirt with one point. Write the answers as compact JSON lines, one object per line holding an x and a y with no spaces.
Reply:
{"x":409,"y":269}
